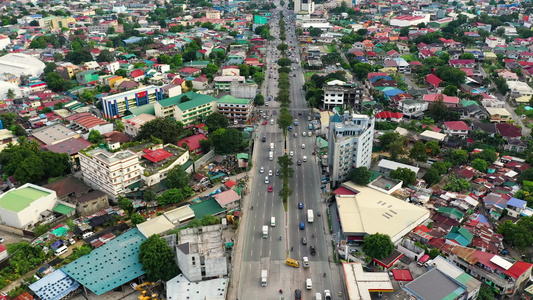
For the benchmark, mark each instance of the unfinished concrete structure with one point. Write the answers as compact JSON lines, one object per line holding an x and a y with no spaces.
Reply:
{"x":200,"y":253}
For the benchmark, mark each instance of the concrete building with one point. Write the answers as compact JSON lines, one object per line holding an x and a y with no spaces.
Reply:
{"x":92,"y":202}
{"x":350,"y":144}
{"x":223,"y":83}
{"x":196,"y":107}
{"x":116,"y":105}
{"x":157,"y":161}
{"x":364,"y":210}
{"x":180,"y":288}
{"x":200,"y":253}
{"x":112,"y":173}
{"x":386,"y":166}
{"x":56,"y":22}
{"x":506,"y":276}
{"x":246,"y":90}
{"x":338,"y":93}
{"x":26,"y":205}
{"x":132,"y":124}
{"x":21,"y":64}
{"x":4,"y":41}
{"x":7,"y":137}
{"x":57,"y":133}
{"x":238,"y":111}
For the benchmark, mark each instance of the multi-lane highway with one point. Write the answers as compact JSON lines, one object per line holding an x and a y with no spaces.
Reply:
{"x":270,"y":253}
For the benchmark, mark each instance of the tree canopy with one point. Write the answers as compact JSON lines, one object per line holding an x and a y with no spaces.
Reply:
{"x":162,"y":128}
{"x":227,"y":140}
{"x":360,"y":175}
{"x":406,"y":175}
{"x":157,"y":259}
{"x":216,"y":121}
{"x":177,"y":178}
{"x":378,"y":245}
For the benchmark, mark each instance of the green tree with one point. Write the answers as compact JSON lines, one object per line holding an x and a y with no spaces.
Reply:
{"x":18,"y":130}
{"x":418,"y":152}
{"x":285,"y":162}
{"x":94,"y":137}
{"x":10,"y":94}
{"x":378,"y":245}
{"x":54,"y":81}
{"x":450,"y":90}
{"x":480,"y":165}
{"x":315,"y":31}
{"x":485,"y":293}
{"x":433,"y":148}
{"x":284,"y":120}
{"x":121,"y":72}
{"x":259,"y":100}
{"x":32,"y":169}
{"x":105,"y":56}
{"x":388,"y":138}
{"x":488,"y":155}
{"x":58,"y":105}
{"x":8,"y":119}
{"x":157,"y":259}
{"x":119,"y":126}
{"x":259,"y":77}
{"x":149,"y":196}
{"x":177,"y":177}
{"x":396,"y":149}
{"x":455,"y":184}
{"x":284,"y":62}
{"x":407,"y":176}
{"x":165,"y":129}
{"x":126,"y":205}
{"x":441,"y":167}
{"x":227,"y":140}
{"x":216,"y":121}
{"x":467,"y":56}
{"x":360,"y":175}
{"x":136,"y":218}
{"x":432,"y":176}
{"x":50,"y":67}
{"x":456,"y":157}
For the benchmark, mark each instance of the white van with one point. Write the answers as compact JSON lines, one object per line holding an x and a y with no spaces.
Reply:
{"x":303,"y":146}
{"x":273,"y":221}
{"x":308,"y":284}
{"x":271,"y":121}
{"x":266,"y":180}
{"x":304,"y":158}
{"x":60,"y":250}
{"x":87,"y":234}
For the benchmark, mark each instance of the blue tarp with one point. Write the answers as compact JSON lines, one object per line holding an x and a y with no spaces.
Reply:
{"x":393,"y":92}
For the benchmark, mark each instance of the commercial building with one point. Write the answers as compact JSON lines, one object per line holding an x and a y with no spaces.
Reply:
{"x":116,"y":105}
{"x":338,"y":93}
{"x":55,"y":22}
{"x":112,"y":173}
{"x":72,"y":147}
{"x":57,"y":285}
{"x":180,"y":288}
{"x":21,"y":64}
{"x":132,"y":124}
{"x":408,"y":21}
{"x":195,"y":107}
{"x":200,"y":253}
{"x":55,"y":134}
{"x":26,"y":205}
{"x":350,"y":144}
{"x":238,"y":111}
{"x":360,"y":283}
{"x":365,"y":210}
{"x":443,"y":281}
{"x":505,"y":276}
{"x":386,"y":166}
{"x":95,"y":270}
{"x":160,"y":159}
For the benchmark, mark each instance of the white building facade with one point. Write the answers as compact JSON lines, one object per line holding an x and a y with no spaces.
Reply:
{"x":111,"y":173}
{"x":350,"y":144}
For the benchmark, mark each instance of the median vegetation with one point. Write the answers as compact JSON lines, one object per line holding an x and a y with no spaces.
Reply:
{"x":285,"y":162}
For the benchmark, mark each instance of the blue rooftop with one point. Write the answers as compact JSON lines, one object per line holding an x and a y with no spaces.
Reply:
{"x":515,"y":202}
{"x":54,"y":286}
{"x":111,"y":265}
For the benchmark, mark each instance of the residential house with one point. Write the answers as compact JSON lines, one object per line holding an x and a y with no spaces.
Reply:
{"x":462,"y":63}
{"x":388,"y":116}
{"x":132,"y":124}
{"x":515,"y":207}
{"x":456,"y":128}
{"x":200,"y":82}
{"x":449,"y":101}
{"x":192,"y":143}
{"x":413,"y":109}
{"x":499,"y":115}
{"x":433,"y":80}
{"x":459,"y":236}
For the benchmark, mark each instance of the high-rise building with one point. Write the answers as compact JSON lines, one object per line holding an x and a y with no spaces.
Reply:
{"x":350,"y":144}
{"x":112,"y":173}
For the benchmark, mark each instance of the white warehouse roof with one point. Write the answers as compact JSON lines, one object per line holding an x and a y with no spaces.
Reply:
{"x":21,"y":64}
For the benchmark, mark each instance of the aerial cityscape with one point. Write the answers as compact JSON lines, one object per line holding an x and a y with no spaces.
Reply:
{"x":226,"y":150}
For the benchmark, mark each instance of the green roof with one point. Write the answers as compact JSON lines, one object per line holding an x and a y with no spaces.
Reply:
{"x":196,"y":100}
{"x":143,"y":109}
{"x":466,"y":103}
{"x":451,"y":211}
{"x":19,"y":199}
{"x":232,"y":100}
{"x":242,"y":156}
{"x":208,"y":207}
{"x":63,"y":209}
{"x":96,"y":270}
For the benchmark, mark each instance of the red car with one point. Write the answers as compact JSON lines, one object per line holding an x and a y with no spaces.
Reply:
{"x":265,"y":122}
{"x":270,"y":189}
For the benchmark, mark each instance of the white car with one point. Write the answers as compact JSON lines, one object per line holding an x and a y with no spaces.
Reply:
{"x":303,"y":146}
{"x":291,"y":153}
{"x":261,"y":170}
{"x":269,"y":172}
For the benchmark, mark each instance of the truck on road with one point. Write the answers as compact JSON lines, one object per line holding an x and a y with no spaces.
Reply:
{"x":271,"y":155}
{"x":310,"y":215}
{"x":264,"y":277}
{"x":265,"y":231}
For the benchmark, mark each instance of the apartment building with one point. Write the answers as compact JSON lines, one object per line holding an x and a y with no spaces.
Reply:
{"x":116,"y":105}
{"x":505,"y":276}
{"x":350,"y":144}
{"x":187,"y":107}
{"x":338,"y":93}
{"x":112,"y":173}
{"x":132,"y":124}
{"x":238,"y":111}
{"x":200,"y":253}
{"x":54,"y":22}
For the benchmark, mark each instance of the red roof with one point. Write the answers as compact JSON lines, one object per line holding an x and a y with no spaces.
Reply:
{"x":433,"y":79}
{"x":137,"y":73}
{"x":157,"y":155}
{"x":389,"y":115}
{"x":457,"y":125}
{"x":189,"y":70}
{"x":228,"y":183}
{"x":402,"y":275}
{"x":193,"y":142}
{"x":509,"y":130}
{"x":343,"y":191}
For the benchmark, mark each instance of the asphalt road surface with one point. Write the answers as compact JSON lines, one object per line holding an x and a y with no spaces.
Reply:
{"x":270,"y":253}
